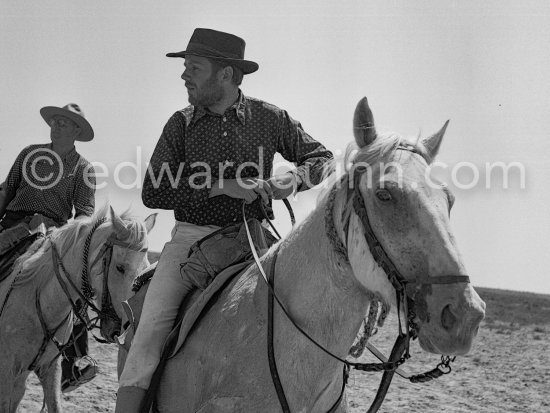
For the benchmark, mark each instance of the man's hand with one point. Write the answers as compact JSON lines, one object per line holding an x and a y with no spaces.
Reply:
{"x":283,"y":185}
{"x":277,"y":187}
{"x":247,"y":188}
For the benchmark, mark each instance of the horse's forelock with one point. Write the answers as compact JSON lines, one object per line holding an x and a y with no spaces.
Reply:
{"x":137,"y":233}
{"x":379,"y":150}
{"x":383,"y":146}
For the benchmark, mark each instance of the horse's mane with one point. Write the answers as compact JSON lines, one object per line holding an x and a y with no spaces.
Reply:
{"x":72,"y":236}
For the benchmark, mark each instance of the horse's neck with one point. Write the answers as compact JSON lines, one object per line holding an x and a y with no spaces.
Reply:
{"x":318,"y":287}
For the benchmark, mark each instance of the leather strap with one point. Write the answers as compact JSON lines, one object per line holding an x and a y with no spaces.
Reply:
{"x":270,"y":334}
{"x":447,"y":279}
{"x":398,"y":349}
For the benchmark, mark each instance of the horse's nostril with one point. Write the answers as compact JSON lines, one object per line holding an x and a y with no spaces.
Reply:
{"x":448,"y":319}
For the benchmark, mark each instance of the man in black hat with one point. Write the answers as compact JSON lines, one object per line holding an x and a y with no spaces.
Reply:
{"x":45,"y":184}
{"x":211,"y":157}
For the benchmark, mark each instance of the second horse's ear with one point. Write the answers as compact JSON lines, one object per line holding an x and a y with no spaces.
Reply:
{"x":118,"y":224}
{"x":150,"y":222}
{"x":363,"y":124}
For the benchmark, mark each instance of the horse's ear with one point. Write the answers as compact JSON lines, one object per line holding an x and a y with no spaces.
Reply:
{"x":433,"y":142}
{"x":118,"y":224}
{"x":363,"y":124}
{"x":150,"y":221}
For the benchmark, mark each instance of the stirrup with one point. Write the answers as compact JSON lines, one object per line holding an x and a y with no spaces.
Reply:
{"x":81,"y":375}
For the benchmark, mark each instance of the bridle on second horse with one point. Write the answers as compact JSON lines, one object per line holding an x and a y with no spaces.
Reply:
{"x":86,"y":293}
{"x":400,"y":350}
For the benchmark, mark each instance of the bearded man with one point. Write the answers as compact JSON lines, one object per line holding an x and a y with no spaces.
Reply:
{"x":211,"y":157}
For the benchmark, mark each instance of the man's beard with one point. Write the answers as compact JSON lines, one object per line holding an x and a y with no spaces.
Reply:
{"x":208,"y":94}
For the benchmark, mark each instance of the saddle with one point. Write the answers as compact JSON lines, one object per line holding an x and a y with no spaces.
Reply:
{"x":14,"y":242}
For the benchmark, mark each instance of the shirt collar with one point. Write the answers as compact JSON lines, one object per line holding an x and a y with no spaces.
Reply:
{"x":69,"y":156}
{"x":239,"y":107}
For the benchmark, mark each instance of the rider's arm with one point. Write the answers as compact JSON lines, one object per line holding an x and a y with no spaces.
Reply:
{"x":84,"y":194}
{"x":166,"y":185}
{"x":311,"y":158}
{"x":12,"y":182}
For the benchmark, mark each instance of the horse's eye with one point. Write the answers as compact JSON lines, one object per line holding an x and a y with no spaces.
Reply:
{"x":120,"y":268}
{"x":383,"y":195}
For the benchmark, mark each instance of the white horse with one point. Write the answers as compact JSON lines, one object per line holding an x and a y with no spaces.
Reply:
{"x":326,"y":277}
{"x":35,"y":299}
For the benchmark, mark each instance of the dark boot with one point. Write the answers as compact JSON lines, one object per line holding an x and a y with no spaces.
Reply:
{"x":78,"y":377}
{"x":76,"y":367}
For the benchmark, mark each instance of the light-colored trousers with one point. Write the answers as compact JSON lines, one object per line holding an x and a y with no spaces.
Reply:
{"x":161,"y":305}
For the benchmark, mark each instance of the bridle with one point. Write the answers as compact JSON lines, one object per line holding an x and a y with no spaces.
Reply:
{"x":407,"y":329}
{"x":85,"y":293}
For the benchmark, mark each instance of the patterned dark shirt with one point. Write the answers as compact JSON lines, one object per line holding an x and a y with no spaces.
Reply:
{"x":41,"y":184}
{"x":197,"y":147}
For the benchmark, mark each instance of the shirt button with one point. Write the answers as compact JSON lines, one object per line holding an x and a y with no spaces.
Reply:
{"x":224,"y":119}
{"x":225,"y":134}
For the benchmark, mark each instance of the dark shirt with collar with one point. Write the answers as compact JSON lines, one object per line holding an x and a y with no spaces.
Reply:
{"x":43,"y":182}
{"x":198,"y":147}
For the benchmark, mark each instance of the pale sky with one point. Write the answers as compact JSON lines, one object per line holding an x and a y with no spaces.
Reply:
{"x":483,"y":65}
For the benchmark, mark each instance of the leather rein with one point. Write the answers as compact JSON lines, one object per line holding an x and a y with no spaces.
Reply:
{"x":407,"y":330}
{"x":85,"y":293}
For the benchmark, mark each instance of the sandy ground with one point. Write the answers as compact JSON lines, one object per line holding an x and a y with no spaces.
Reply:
{"x":508,"y":370}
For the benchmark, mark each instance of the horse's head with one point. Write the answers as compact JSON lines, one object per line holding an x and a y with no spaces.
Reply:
{"x":408,"y":213}
{"x":123,"y":256}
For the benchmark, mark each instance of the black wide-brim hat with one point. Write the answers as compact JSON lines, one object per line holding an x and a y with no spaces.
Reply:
{"x":74,"y":113}
{"x":220,"y":46}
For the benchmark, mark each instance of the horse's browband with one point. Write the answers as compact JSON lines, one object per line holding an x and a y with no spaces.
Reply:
{"x":443,"y":279}
{"x":408,"y":147}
